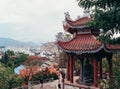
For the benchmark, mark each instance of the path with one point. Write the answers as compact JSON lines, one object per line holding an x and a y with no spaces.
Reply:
{"x":49,"y":85}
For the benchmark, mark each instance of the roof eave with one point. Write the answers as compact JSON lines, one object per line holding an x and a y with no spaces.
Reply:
{"x":82,"y":52}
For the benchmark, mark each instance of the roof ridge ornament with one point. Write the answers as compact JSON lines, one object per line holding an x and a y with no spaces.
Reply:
{"x":78,"y":17}
{"x":67,"y":15}
{"x":64,"y":23}
{"x":86,"y":13}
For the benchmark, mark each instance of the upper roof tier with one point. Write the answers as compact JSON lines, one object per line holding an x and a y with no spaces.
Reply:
{"x":79,"y":23}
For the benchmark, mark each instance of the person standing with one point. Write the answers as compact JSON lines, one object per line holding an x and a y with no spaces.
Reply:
{"x":61,"y":79}
{"x":41,"y":83}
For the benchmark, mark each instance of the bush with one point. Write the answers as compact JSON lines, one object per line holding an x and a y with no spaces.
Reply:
{"x":44,"y":75}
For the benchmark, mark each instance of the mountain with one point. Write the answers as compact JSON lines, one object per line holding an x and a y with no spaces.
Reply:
{"x":15,"y":43}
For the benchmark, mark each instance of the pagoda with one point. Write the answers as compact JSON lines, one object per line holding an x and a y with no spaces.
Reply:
{"x":85,"y":47}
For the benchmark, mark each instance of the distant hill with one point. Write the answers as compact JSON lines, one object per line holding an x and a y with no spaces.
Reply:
{"x":15,"y":43}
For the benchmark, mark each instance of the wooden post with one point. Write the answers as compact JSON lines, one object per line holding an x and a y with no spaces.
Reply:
{"x":95,"y":72}
{"x":101,"y":68}
{"x":74,"y":58}
{"x":109,"y":58}
{"x":81,"y":70}
{"x":110,"y":67}
{"x":68,"y":67}
{"x":71,"y":69}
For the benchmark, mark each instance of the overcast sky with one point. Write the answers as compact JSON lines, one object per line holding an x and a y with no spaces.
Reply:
{"x":35,"y":20}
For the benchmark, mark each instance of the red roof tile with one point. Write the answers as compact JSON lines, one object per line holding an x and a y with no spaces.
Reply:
{"x":33,"y":57}
{"x":79,"y":22}
{"x":112,"y":47}
{"x":83,"y":43}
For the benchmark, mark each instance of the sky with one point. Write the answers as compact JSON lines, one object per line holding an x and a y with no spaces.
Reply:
{"x":35,"y":20}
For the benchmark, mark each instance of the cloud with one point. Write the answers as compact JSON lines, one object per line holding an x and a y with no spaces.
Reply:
{"x":36,"y":20}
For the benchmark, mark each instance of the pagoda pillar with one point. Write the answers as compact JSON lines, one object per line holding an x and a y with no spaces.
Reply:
{"x":71,"y":69}
{"x":81,"y":70}
{"x":110,"y":67}
{"x":101,"y":68}
{"x":95,"y":71}
{"x":68,"y":67}
{"x":109,"y":58}
{"x":74,"y":62}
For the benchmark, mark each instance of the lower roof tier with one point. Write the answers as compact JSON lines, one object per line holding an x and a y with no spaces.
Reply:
{"x":85,"y":43}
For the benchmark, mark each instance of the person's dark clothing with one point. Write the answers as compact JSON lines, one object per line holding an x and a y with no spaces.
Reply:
{"x":41,"y":82}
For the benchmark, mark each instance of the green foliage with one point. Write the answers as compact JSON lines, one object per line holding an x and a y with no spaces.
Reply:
{"x":105,"y":15}
{"x":62,"y":60}
{"x":44,"y":75}
{"x":8,"y":79}
{"x":77,"y":67}
{"x":115,"y":84}
{"x":104,"y":4}
{"x":6,"y":56}
{"x":20,"y":58}
{"x":10,"y":53}
{"x":114,"y":81}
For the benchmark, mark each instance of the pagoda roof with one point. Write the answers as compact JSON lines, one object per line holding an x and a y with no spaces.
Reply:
{"x":79,"y":23}
{"x":83,"y":43}
{"x":110,"y":47}
{"x":86,"y":43}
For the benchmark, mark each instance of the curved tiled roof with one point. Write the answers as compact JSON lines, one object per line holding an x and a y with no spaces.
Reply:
{"x":112,"y":47}
{"x":83,"y":43}
{"x":79,"y":22}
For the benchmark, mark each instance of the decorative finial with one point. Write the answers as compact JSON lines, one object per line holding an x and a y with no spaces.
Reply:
{"x":86,"y":13}
{"x":67,"y":15}
{"x":78,"y":17}
{"x":64,"y":23}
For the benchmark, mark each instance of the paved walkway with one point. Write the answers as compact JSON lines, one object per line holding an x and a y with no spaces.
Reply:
{"x":53,"y":85}
{"x":49,"y":85}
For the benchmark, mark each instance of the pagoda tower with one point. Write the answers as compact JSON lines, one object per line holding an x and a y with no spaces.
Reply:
{"x":85,"y":47}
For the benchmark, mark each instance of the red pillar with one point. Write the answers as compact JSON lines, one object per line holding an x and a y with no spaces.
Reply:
{"x":71,"y":69}
{"x":74,"y":62}
{"x":68,"y":68}
{"x":95,"y":72}
{"x":100,"y":68}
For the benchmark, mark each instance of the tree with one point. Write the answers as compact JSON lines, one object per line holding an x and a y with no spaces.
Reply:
{"x":105,"y":15}
{"x":20,"y":58}
{"x":62,"y":60}
{"x":116,"y":72}
{"x":6,"y":56}
{"x":8,"y":79}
